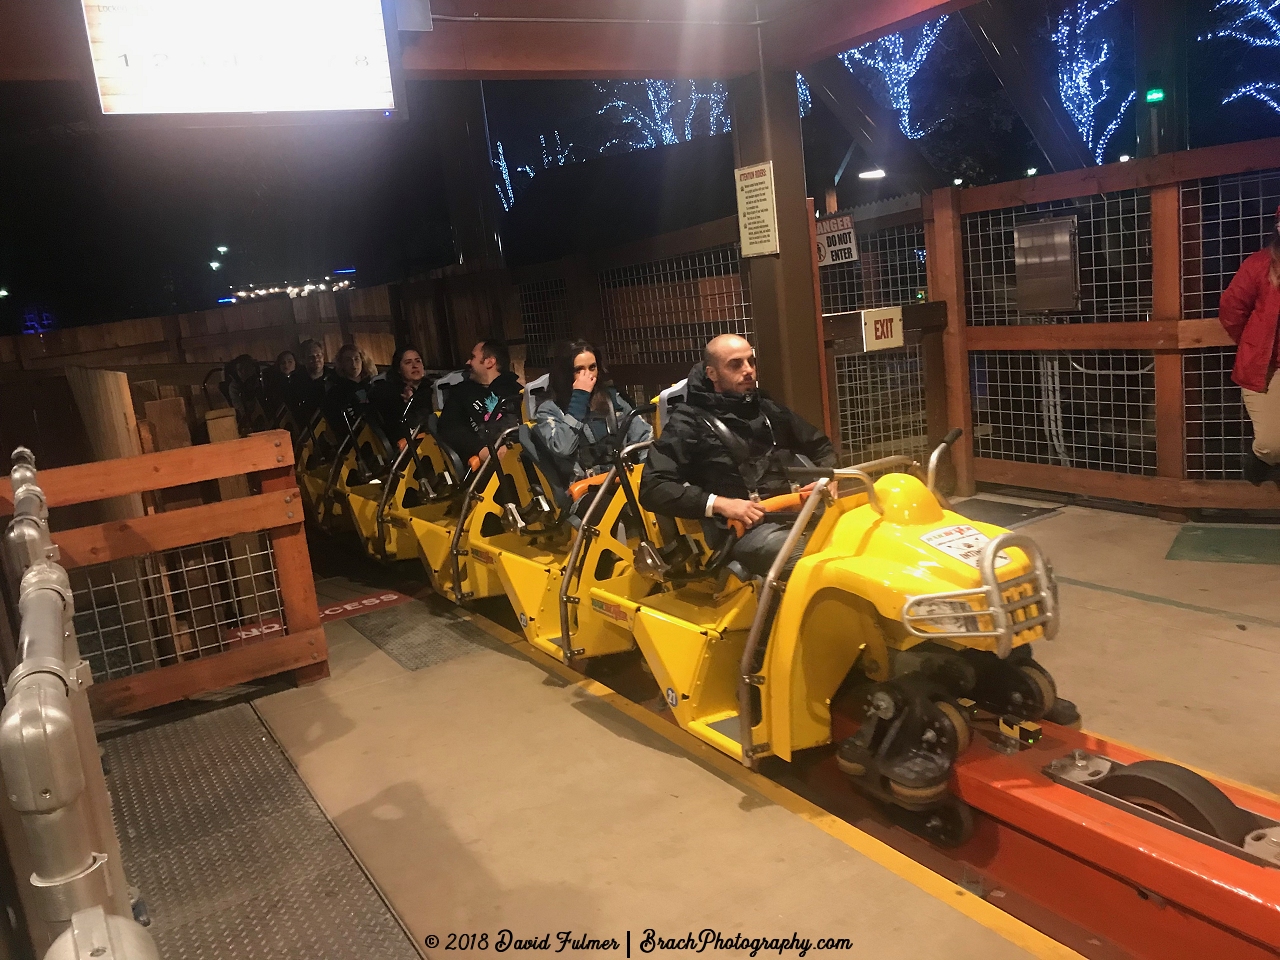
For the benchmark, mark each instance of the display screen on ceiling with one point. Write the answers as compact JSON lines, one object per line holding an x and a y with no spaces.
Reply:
{"x":239,"y":56}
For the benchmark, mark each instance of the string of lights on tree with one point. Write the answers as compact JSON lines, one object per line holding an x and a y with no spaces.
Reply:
{"x":1253,"y":22}
{"x":888,"y":56}
{"x":1082,"y":72}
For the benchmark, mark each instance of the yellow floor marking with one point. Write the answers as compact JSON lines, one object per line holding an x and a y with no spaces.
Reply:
{"x":975,"y":908}
{"x":1208,"y":775}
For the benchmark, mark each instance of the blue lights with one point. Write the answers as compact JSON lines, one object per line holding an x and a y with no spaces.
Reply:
{"x":1254,"y":23}
{"x":647,"y":110}
{"x":889,"y":57}
{"x":346,"y":270}
{"x":805,"y":95}
{"x":1082,"y":80}
{"x":506,"y":193}
{"x":227,"y":300}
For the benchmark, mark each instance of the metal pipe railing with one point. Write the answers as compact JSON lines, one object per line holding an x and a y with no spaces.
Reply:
{"x":49,"y":755}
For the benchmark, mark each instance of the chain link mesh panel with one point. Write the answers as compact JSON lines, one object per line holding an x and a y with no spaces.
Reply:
{"x":147,"y":612}
{"x":1093,"y":409}
{"x":881,"y":405}
{"x":1114,"y":245}
{"x":665,"y":311}
{"x":1224,"y":220}
{"x":544,"y":311}
{"x":1217,"y":424}
{"x":890,"y":271}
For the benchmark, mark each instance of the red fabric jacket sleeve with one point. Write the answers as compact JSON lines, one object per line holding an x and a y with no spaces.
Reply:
{"x":1238,"y":300}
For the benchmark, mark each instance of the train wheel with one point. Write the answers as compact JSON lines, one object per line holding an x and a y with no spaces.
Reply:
{"x":958,"y":724}
{"x":1046,"y":692}
{"x":1182,"y":796}
{"x":918,"y":796}
{"x":950,"y":825}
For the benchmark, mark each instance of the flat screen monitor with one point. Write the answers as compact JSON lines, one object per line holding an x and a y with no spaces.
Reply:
{"x":229,"y":57}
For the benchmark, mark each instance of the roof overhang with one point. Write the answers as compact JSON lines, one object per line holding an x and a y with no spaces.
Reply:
{"x":549,"y":39}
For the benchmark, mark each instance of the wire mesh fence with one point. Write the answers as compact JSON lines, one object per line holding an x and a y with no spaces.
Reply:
{"x":136,"y":615}
{"x":544,"y":311}
{"x":665,"y":311}
{"x":1224,"y":220}
{"x":890,"y":270}
{"x":881,"y":404}
{"x":1093,"y":409}
{"x":1217,"y":424}
{"x":1114,"y":250}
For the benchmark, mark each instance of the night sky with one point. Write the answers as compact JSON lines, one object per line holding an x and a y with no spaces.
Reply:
{"x":99,"y":223}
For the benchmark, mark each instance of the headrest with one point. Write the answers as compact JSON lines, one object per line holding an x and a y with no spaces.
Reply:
{"x":534,"y":391}
{"x":441,"y":386}
{"x":676,"y":393}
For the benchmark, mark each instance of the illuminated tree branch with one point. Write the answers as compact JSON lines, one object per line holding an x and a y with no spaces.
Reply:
{"x":1253,"y":22}
{"x":1082,"y":81}
{"x":888,"y":56}
{"x":647,"y":111}
{"x":804,"y":94}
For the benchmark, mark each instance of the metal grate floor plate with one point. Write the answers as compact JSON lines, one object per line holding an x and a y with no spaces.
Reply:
{"x":415,"y":637}
{"x":233,"y":856}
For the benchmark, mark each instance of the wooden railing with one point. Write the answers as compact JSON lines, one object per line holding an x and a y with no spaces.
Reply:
{"x":1167,"y":334}
{"x":297,"y":644}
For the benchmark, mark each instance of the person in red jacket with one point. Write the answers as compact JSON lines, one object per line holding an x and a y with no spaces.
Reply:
{"x":1250,"y":313}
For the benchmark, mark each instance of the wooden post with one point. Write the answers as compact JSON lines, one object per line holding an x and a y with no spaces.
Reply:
{"x":945,"y":249}
{"x":766,"y":127}
{"x":1166,"y":304}
{"x":293,"y":576}
{"x":826,"y":372}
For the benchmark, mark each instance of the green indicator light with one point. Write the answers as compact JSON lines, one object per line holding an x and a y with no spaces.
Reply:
{"x":1155,"y":95}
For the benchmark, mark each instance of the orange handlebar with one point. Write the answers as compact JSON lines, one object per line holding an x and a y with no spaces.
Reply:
{"x":579,"y":487}
{"x":785,"y":503}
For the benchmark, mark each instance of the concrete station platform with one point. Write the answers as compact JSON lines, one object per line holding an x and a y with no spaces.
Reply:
{"x":482,"y":786}
{"x":489,"y":789}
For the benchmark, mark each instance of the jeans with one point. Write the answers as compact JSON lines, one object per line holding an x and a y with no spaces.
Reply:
{"x":758,"y":547}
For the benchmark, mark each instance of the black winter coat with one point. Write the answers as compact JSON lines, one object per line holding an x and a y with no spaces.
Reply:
{"x":687,"y":463}
{"x":471,"y":407}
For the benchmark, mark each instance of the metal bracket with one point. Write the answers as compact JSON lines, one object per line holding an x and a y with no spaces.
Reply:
{"x":1264,"y":844}
{"x":755,"y":680}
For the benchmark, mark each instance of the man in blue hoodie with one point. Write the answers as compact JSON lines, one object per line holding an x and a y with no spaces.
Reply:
{"x":475,"y":407}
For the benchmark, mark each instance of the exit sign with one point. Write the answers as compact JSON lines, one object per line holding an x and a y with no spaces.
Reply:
{"x":882,"y":329}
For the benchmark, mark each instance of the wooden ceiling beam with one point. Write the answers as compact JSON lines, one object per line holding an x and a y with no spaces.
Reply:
{"x":548,"y":39}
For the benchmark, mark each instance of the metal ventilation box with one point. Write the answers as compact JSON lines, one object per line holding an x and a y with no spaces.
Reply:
{"x":1048,"y":267}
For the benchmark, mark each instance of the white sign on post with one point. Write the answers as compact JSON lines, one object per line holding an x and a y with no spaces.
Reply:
{"x":836,"y":240}
{"x":757,"y":210}
{"x":882,"y":329}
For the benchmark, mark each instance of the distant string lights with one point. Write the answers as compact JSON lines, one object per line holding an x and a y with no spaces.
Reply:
{"x":327,"y":285}
{"x":804,"y":94}
{"x":1082,"y":80}
{"x":1255,"y":23}
{"x":889,"y":57}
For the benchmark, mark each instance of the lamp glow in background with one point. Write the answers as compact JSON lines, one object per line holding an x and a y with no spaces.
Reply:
{"x":871,"y":175}
{"x":1125,"y":158}
{"x":958,"y":182}
{"x":1155,"y":95}
{"x":222,"y":250}
{"x":214,"y":265}
{"x":1031,"y":171}
{"x":3,"y":293}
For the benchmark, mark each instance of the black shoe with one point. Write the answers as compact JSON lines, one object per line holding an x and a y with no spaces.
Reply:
{"x":1255,"y":469}
{"x":1063,"y":713}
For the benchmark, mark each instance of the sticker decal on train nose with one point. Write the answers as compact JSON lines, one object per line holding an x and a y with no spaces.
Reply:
{"x":963,"y":542}
{"x":671,"y":696}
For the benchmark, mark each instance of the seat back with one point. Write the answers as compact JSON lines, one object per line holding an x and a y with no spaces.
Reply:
{"x":536,"y":450}
{"x":534,"y":393}
{"x":440,"y":389}
{"x":676,"y":393}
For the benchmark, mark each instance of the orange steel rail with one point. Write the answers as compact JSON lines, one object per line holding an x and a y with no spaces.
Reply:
{"x":1102,"y":880}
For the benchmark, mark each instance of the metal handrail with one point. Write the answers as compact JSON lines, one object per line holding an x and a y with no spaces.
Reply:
{"x":580,"y":538}
{"x":747,"y":678}
{"x":49,"y":754}
{"x":473,"y":497}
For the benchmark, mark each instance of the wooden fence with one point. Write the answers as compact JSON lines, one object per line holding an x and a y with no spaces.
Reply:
{"x":168,"y":629}
{"x":1167,"y":334}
